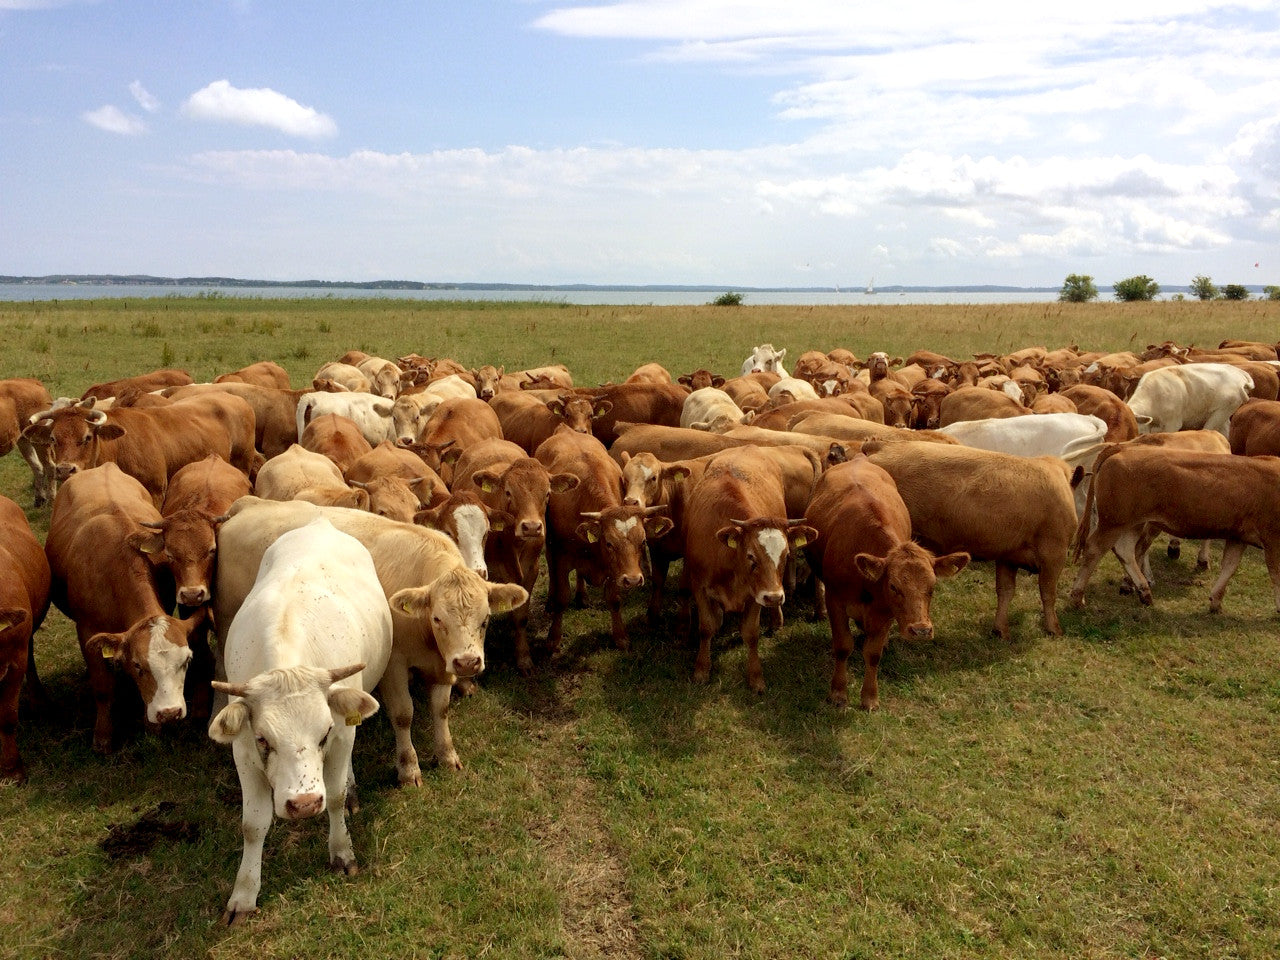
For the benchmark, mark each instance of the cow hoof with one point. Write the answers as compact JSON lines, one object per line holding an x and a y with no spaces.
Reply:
{"x":102,"y":747}
{"x":1215,"y":607}
{"x":413,"y":779}
{"x":870,"y":704}
{"x":1145,"y":597}
{"x":1126,"y":588}
{"x":1077,"y":599}
{"x":348,"y":867}
{"x":234,"y":916}
{"x":1174,"y":550}
{"x":839,"y":701}
{"x":701,"y":676}
{"x":15,"y":775}
{"x":1202,"y":566}
{"x":450,"y":763}
{"x":525,"y":666}
{"x":757,"y":686}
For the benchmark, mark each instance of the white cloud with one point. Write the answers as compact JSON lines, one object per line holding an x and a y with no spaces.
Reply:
{"x":145,"y":100}
{"x":114,"y":120}
{"x":262,"y":106}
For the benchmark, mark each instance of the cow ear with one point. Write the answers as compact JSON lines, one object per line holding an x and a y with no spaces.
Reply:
{"x":40,"y":432}
{"x":717,"y":381}
{"x":950,"y":565}
{"x":564,"y":482}
{"x":108,"y":645}
{"x":870,"y":566}
{"x":675,"y":473}
{"x":686,"y":380}
{"x":487,"y":480}
{"x":656,"y":527}
{"x":504,"y":597}
{"x":499,"y":520}
{"x":147,"y":542}
{"x":450,"y":456}
{"x":601,"y":408}
{"x":800,"y":535}
{"x":226,"y":726}
{"x":109,"y":431}
{"x":411,"y":601}
{"x":728,"y":536}
{"x":589,"y":530}
{"x":429,"y":518}
{"x":351,"y":706}
{"x":556,"y":406}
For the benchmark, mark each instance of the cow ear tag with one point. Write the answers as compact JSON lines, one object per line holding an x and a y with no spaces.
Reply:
{"x":800,"y":540}
{"x":488,"y":486}
{"x":498,"y":525}
{"x":500,"y":606}
{"x":732,"y":542}
{"x":353,"y":719}
{"x":108,"y":653}
{"x":592,"y":536}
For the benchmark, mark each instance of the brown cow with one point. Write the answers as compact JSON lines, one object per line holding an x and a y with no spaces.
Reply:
{"x":871,"y":569}
{"x":638,"y":403}
{"x":454,"y":425}
{"x":119,"y":600}
{"x":928,"y":395}
{"x":24,"y":599}
{"x":747,"y":391}
{"x":275,"y":411}
{"x":590,"y":530}
{"x":264,"y":373}
{"x":1255,"y":428}
{"x":736,"y":545}
{"x":19,"y":399}
{"x":978,"y":404}
{"x":388,"y":460}
{"x":650,"y":373}
{"x":701,"y":378}
{"x":336,"y":437}
{"x":1015,"y":511}
{"x":1107,"y":407}
{"x":528,"y":420}
{"x":898,"y":402}
{"x":519,"y":487}
{"x":143,"y":383}
{"x":1189,"y":494}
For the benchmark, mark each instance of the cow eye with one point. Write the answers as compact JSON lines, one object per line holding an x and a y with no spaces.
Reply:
{"x":325,"y":738}
{"x":263,"y":745}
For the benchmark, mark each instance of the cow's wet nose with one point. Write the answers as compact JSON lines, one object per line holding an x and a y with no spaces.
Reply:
{"x":303,"y":805}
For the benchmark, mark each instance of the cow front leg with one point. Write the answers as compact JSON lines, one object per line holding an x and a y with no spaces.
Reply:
{"x":446,"y":756}
{"x":558,"y":593}
{"x":613,"y":600}
{"x":393,"y":688}
{"x":1232,"y":551}
{"x":337,"y":776}
{"x":102,"y":684}
{"x":873,"y":645}
{"x":1099,"y":542}
{"x":1006,"y":584}
{"x":256,"y":813}
{"x":10,"y":761}
{"x":1271,"y":555}
{"x":842,"y":645}
{"x":1126,"y":547}
{"x":751,"y":637}
{"x":707,"y":622}
{"x":658,"y":568}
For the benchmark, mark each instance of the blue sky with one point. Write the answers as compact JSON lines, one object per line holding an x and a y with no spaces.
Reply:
{"x":651,"y":141}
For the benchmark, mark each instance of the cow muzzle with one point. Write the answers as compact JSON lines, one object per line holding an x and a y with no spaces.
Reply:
{"x":468,"y":666}
{"x":771,"y":598}
{"x":629,"y":581}
{"x":170,"y":715}
{"x":65,"y":470}
{"x":530,"y":529}
{"x":193,"y":596}
{"x":920,"y":631}
{"x":303,"y":805}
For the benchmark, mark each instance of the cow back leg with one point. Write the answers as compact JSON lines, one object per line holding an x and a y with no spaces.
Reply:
{"x":1126,"y":547}
{"x":1049,"y":573}
{"x":1204,"y":555}
{"x":1271,"y":553}
{"x":393,"y":689}
{"x":41,"y":474}
{"x":659,"y":565}
{"x":1006,"y":584}
{"x":751,"y":638}
{"x":558,"y":593}
{"x":1100,"y":541}
{"x":1232,"y":551}
{"x":37,"y":696}
{"x":842,"y":645}
{"x":10,"y":689}
{"x":337,"y":770}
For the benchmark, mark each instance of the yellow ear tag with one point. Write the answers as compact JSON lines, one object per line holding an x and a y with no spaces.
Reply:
{"x":801,"y":540}
{"x":732,"y":543}
{"x":500,"y":606}
{"x":108,"y":653}
{"x":498,"y":525}
{"x":592,"y":536}
{"x":353,"y":719}
{"x":488,"y":486}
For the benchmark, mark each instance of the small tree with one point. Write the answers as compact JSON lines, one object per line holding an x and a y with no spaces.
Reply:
{"x":1078,"y":288}
{"x":1235,"y":291}
{"x":1204,"y":288}
{"x":1271,"y":292}
{"x":1140,"y":287}
{"x":730,"y":299}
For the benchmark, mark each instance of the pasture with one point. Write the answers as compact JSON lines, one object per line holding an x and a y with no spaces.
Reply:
{"x":1112,"y":793}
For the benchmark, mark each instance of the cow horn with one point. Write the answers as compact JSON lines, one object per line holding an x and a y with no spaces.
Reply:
{"x":593,"y":515}
{"x":341,"y":673}
{"x":96,"y":417}
{"x":657,"y":508}
{"x":230,"y":689}
{"x":151,"y":524}
{"x":358,"y":484}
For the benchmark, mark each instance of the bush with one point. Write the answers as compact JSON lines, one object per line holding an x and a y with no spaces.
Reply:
{"x":730,"y":299}
{"x":1140,"y":287}
{"x":1271,"y":292}
{"x":1204,"y":288}
{"x":1235,"y":291}
{"x":1078,"y":288}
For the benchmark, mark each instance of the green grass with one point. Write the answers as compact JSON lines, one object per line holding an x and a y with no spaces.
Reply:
{"x":1113,"y":793}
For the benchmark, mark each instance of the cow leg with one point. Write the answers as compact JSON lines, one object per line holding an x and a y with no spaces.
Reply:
{"x":10,"y":761}
{"x":446,"y":756}
{"x":1048,"y":579}
{"x":580,"y":593}
{"x":613,"y":601}
{"x":658,"y":568}
{"x":200,"y":673}
{"x":751,"y":637}
{"x":102,"y":683}
{"x":37,"y":697}
{"x":1271,"y":554}
{"x":1204,"y":556}
{"x":41,"y":476}
{"x":1232,"y":551}
{"x":337,"y":770}
{"x":520,"y":624}
{"x":1006,"y":583}
{"x":255,"y":818}
{"x":557,"y":596}
{"x":1126,"y":547}
{"x":873,"y":645}
{"x":842,"y":645}
{"x":707,"y":623}
{"x":393,"y":688}
{"x":820,"y":608}
{"x":1099,"y":542}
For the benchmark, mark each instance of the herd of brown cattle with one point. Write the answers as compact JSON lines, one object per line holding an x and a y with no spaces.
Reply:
{"x":849,"y":461}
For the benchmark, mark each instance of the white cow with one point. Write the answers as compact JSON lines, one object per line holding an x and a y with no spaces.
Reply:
{"x":310,"y":641}
{"x":1195,"y":396}
{"x":765,"y":359}
{"x":439,"y":609}
{"x":793,"y":388}
{"x":707,"y":405}
{"x":1046,"y":434}
{"x":371,"y":414}
{"x":384,"y":376}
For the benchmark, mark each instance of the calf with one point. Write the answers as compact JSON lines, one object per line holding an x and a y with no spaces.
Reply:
{"x":310,"y":640}
{"x":119,"y":600}
{"x":736,"y":544}
{"x":24,"y":600}
{"x":871,"y":570}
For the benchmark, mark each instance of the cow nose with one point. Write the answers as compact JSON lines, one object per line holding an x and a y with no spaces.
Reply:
{"x":468,"y":666}
{"x":483,"y":572}
{"x":65,"y":470}
{"x":193,"y":596}
{"x":921,"y":631}
{"x":303,"y":805}
{"x":486,"y":394}
{"x":631,"y":501}
{"x":630,"y":580}
{"x":169,"y":715}
{"x":530,"y":528}
{"x":771,"y":598}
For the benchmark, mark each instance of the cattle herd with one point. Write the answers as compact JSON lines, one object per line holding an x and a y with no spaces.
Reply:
{"x":339,"y":538}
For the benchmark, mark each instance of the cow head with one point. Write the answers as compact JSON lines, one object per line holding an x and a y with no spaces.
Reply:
{"x":185,"y":543}
{"x":392,"y":497}
{"x":293,"y":717}
{"x":578,"y":412}
{"x":618,"y":536}
{"x":701,"y":378}
{"x":641,"y":479}
{"x":155,"y":652}
{"x":73,"y":435}
{"x":487,"y":378}
{"x":455,"y":609}
{"x":465,"y":520}
{"x":904,"y":580}
{"x":385,"y":381}
{"x":522,"y":491}
{"x":762,"y":546}
{"x":409,"y":414}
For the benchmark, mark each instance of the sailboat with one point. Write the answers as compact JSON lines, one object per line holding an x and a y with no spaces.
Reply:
{"x":871,"y":286}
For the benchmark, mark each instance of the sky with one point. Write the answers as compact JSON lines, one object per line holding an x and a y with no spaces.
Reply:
{"x":736,"y":142}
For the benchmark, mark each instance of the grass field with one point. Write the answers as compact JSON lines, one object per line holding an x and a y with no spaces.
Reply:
{"x":1112,"y":793}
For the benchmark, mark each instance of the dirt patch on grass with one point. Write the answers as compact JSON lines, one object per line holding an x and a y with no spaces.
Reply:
{"x":136,"y":839}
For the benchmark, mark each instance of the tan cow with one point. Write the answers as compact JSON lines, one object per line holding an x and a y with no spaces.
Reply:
{"x":1255,"y":428}
{"x":20,"y":398}
{"x":264,"y":373}
{"x":388,"y":460}
{"x":24,"y":600}
{"x":337,"y":437}
{"x":299,"y":474}
{"x":143,"y":383}
{"x":978,"y":404}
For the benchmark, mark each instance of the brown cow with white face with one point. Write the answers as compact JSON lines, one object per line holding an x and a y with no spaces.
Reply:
{"x":465,"y":520}
{"x":737,"y":541}
{"x":119,"y":600}
{"x":872,"y":571}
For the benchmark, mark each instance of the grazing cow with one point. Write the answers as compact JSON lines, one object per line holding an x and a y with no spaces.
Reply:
{"x":340,"y":378}
{"x":264,"y":373}
{"x":119,"y":599}
{"x":20,"y":398}
{"x":1255,"y":428}
{"x":1015,"y":511}
{"x":1188,"y":494}
{"x":1049,"y":434}
{"x":591,"y":531}
{"x":1107,"y":407}
{"x":149,"y":444}
{"x":871,"y":570}
{"x":336,"y":437}
{"x":306,"y":647}
{"x":439,"y":609}
{"x":24,"y":599}
{"x":708,"y":405}
{"x":659,"y":403}
{"x":1196,"y":396}
{"x":978,"y":404}
{"x":143,"y":383}
{"x":371,"y":414}
{"x":764,"y":358}
{"x":737,"y":542}
{"x":299,"y":474}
